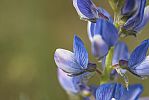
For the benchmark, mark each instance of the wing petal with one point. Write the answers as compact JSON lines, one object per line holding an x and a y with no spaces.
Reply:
{"x":80,"y":52}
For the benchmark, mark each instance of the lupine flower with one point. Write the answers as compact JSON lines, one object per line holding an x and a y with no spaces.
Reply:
{"x":135,"y":14}
{"x":144,"y":20}
{"x":115,"y":91}
{"x":75,"y":84}
{"x":138,"y":62}
{"x":87,"y":10}
{"x":76,"y":62}
{"x":121,"y":54}
{"x":74,"y":68}
{"x":102,"y":35}
{"x":120,"y":58}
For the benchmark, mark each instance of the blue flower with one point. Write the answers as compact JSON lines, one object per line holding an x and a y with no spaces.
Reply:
{"x":102,"y":35}
{"x":76,"y":62}
{"x":136,"y":15}
{"x":115,"y":91}
{"x":87,"y":10}
{"x":76,"y":84}
{"x":121,"y":54}
{"x":138,"y":63}
{"x":129,"y":7}
{"x":133,"y":93}
{"x":145,"y":20}
{"x":120,"y":58}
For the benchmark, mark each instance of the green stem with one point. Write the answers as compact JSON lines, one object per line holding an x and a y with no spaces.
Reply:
{"x":106,"y":74}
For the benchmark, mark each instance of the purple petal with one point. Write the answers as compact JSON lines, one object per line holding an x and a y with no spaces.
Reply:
{"x":86,"y":9}
{"x":133,"y":92}
{"x":65,"y":60}
{"x":104,"y":28}
{"x":106,"y":15}
{"x":73,"y":84}
{"x":142,"y":69}
{"x":83,"y":78}
{"x":90,"y":30}
{"x":94,"y":28}
{"x":105,"y":92}
{"x":109,"y":91}
{"x":145,"y":19}
{"x":138,"y":55}
{"x":67,"y":82}
{"x":80,"y":52}
{"x":120,"y":53}
{"x":99,"y":47}
{"x":144,"y":98}
{"x":107,"y":30}
{"x":137,"y":17}
{"x":119,"y":91}
{"x":129,"y":7}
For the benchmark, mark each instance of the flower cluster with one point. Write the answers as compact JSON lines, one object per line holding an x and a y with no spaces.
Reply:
{"x":75,"y":69}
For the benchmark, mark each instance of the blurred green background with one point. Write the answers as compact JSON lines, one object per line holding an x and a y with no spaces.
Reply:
{"x":30,"y":31}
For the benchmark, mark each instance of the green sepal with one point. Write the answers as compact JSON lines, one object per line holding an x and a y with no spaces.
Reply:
{"x":127,"y":32}
{"x":116,"y":5}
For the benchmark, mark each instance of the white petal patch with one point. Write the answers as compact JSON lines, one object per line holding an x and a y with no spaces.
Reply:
{"x":142,"y":69}
{"x":99,"y":47}
{"x":65,"y":60}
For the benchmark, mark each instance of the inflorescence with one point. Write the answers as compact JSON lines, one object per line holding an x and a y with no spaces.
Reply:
{"x":105,"y":34}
